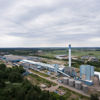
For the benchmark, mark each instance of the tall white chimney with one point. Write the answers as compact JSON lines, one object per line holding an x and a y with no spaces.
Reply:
{"x":69,"y":55}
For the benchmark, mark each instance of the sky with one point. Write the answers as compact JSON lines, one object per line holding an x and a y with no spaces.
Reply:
{"x":49,"y":23}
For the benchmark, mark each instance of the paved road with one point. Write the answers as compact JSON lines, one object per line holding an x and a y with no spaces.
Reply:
{"x":60,"y":84}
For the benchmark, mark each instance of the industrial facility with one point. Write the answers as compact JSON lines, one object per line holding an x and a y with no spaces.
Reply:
{"x":68,"y":73}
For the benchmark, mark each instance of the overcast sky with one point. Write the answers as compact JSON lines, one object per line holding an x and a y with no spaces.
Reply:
{"x":49,"y":23}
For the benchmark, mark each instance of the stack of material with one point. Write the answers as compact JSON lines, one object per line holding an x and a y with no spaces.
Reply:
{"x":78,"y":85}
{"x":71,"y":82}
{"x":43,"y":86}
{"x":85,"y":88}
{"x":65,"y":80}
{"x":70,"y":71}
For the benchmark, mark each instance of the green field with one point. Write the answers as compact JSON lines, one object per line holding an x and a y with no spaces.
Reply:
{"x":77,"y":53}
{"x":52,"y":52}
{"x":42,"y":74}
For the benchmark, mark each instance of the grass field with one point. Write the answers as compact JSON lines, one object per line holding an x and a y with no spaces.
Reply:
{"x":86,"y":52}
{"x":42,"y":74}
{"x":78,"y":53}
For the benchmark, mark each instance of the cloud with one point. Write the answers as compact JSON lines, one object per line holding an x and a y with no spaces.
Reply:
{"x":96,"y":39}
{"x":54,"y":23}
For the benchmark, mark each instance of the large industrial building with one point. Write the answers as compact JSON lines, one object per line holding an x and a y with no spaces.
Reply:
{"x":86,"y":72}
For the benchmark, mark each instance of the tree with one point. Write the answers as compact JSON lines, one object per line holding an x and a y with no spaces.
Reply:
{"x":21,"y":69}
{"x":2,"y":67}
{"x":26,"y":85}
{"x":20,"y":94}
{"x":94,"y":97}
{"x":3,"y":75}
{"x":18,"y":69}
{"x":2,"y":83}
{"x":32,"y":95}
{"x":15,"y":77}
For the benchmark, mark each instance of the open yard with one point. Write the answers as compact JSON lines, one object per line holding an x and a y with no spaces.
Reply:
{"x":36,"y":80}
{"x":71,"y":95}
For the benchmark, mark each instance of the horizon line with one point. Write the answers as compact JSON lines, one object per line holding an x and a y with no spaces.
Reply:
{"x":53,"y":47}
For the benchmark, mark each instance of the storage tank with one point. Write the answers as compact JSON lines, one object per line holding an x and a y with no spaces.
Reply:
{"x":85,"y":88}
{"x":65,"y":80}
{"x":71,"y":82}
{"x":78,"y":85}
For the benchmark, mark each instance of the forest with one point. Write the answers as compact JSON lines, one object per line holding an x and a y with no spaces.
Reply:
{"x":13,"y":86}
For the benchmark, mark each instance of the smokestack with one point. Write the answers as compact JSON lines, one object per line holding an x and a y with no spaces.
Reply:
{"x":69,"y":55}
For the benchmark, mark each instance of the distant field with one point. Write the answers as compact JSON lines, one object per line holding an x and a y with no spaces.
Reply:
{"x":74,"y":53}
{"x":86,"y":52}
{"x":52,"y":52}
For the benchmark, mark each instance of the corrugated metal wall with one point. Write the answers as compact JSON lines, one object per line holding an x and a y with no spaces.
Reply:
{"x":86,"y":72}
